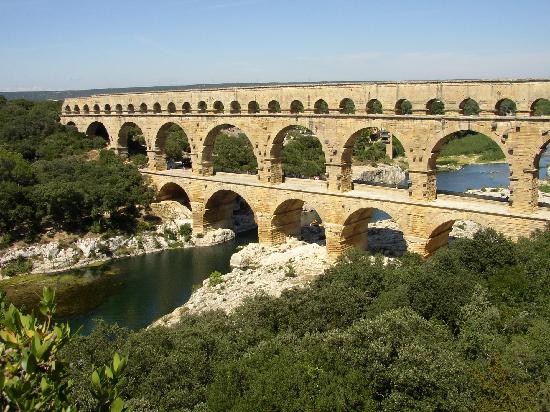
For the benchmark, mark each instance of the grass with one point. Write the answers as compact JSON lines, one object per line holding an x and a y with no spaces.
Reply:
{"x":545,"y":188}
{"x":468,"y":146}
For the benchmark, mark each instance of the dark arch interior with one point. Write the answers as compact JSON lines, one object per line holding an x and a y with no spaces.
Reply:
{"x":235,"y":107}
{"x":173,"y":142}
{"x":321,"y":107}
{"x":253,"y":107}
{"x":469,"y":107}
{"x":300,"y":152}
{"x":403,"y":106}
{"x":131,"y":137}
{"x":506,"y":107}
{"x":472,"y":163}
{"x":374,"y":106}
{"x":274,"y":107}
{"x":172,"y":191}
{"x":384,"y":235}
{"x":227,"y":209}
{"x":296,"y":107}
{"x":295,"y":218}
{"x":98,"y":129}
{"x":230,"y":150}
{"x":218,"y":107}
{"x":540,"y":107}
{"x":347,"y":106}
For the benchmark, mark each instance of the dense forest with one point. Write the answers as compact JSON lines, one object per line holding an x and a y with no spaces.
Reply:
{"x":48,"y":181}
{"x":465,"y":330}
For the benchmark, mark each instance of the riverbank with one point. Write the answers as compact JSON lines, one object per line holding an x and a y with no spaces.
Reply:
{"x":504,"y":193}
{"x":452,"y":163}
{"x":73,"y":252}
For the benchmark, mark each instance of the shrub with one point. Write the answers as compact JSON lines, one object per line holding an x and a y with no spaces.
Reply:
{"x":185,"y":231}
{"x":140,"y":160}
{"x":169,"y":234}
{"x":215,"y":278}
{"x":17,"y":267}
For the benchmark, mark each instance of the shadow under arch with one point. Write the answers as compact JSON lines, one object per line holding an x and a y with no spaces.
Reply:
{"x":298,"y":152}
{"x":236,"y":147}
{"x":448,"y":230}
{"x":372,"y":229}
{"x":130,"y":139}
{"x":173,"y":191}
{"x":227,"y":209}
{"x":298,"y":219}
{"x":98,"y":129}
{"x":488,"y":150}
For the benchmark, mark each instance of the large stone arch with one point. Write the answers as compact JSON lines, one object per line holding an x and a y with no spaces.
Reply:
{"x":218,"y":208}
{"x":122,"y":137}
{"x":173,"y":191}
{"x":158,"y":145}
{"x":97,"y":128}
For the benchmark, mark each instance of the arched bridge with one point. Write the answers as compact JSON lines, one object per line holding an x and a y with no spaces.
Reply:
{"x":422,"y":114}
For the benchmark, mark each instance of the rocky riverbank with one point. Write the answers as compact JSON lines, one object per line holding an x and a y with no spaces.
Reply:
{"x":73,"y":252}
{"x":392,"y":175}
{"x":504,"y":193}
{"x":256,"y":269}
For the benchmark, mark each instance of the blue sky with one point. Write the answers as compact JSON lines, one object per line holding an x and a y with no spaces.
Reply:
{"x":59,"y":45}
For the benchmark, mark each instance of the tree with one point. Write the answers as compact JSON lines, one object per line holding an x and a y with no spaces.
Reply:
{"x":233,"y":154}
{"x":347,"y":106}
{"x":3,"y":100}
{"x":376,"y":107}
{"x":176,"y":144}
{"x":470,"y":108}
{"x":506,"y":107}
{"x":405,"y":107}
{"x":437,"y":107}
{"x":296,"y":107}
{"x":303,"y":155}
{"x":542,"y":108}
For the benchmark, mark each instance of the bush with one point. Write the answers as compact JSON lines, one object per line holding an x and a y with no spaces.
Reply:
{"x":139,"y":160}
{"x":185,"y":231}
{"x":17,"y":267}
{"x":215,"y":278}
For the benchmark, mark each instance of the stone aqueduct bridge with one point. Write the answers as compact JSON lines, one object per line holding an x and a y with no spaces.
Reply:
{"x":265,"y":114}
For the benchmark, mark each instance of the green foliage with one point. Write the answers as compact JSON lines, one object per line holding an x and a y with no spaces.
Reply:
{"x":375,"y":107}
{"x":347,"y":106}
{"x":234,"y":154}
{"x":215,"y":278}
{"x":542,"y":108}
{"x":470,"y":108}
{"x":296,"y":107}
{"x":544,"y":188}
{"x":470,"y":143}
{"x":405,"y":107}
{"x":321,"y":107}
{"x":34,"y":376}
{"x":367,"y":150}
{"x":140,"y":160}
{"x":274,"y":107}
{"x":185,"y":231}
{"x":17,"y":267}
{"x":398,"y":149}
{"x":303,"y":155}
{"x":176,"y":144}
{"x":506,"y":107}
{"x":437,"y":107}
{"x":465,"y":330}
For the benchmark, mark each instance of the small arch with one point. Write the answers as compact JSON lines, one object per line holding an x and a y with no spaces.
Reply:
{"x":171,"y":107}
{"x":86,"y":109}
{"x":253,"y":107}
{"x":97,"y":129}
{"x":435,"y":107}
{"x":67,"y":109}
{"x":235,"y":107}
{"x":76,"y":109}
{"x":274,"y":107}
{"x":229,"y":210}
{"x":374,"y":106}
{"x":403,"y":107}
{"x":218,"y":107}
{"x":118,"y":108}
{"x":540,"y":107}
{"x":469,"y":107}
{"x":173,"y":191}
{"x":296,"y":107}
{"x":505,"y":107}
{"x":202,"y":107}
{"x":107,"y":109}
{"x":157,"y":108}
{"x":143,"y":108}
{"x":186,"y":107}
{"x":347,"y":106}
{"x":96,"y":108}
{"x":131,"y":108}
{"x":320,"y":107}
{"x":71,"y":124}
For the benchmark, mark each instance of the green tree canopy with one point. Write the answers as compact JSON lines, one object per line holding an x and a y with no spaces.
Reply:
{"x":234,"y":154}
{"x":302,"y":155}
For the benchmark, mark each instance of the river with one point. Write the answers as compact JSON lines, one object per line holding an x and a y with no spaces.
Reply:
{"x":134,"y":292}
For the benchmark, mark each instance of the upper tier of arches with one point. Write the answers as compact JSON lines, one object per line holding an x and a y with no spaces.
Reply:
{"x":319,"y":105}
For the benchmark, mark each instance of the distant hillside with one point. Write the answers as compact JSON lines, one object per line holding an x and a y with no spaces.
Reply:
{"x":60,"y":95}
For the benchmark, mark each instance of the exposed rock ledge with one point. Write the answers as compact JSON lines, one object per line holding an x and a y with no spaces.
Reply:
{"x":256,"y":269}
{"x":58,"y":256}
{"x":385,"y":174}
{"x":502,"y":193}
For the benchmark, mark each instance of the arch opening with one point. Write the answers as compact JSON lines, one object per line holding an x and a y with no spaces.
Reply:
{"x":451,"y":231}
{"x":373,"y":230}
{"x":274,"y":107}
{"x":374,"y":106}
{"x":143,"y":108}
{"x":186,"y":107}
{"x":201,"y":107}
{"x":471,"y":164}
{"x":98,"y":129}
{"x":173,"y":143}
{"x":403,"y":107}
{"x":298,"y":219}
{"x":542,"y":164}
{"x":347,"y":106}
{"x":235,"y":107}
{"x":96,"y":109}
{"x":175,"y":193}
{"x":228,"y":149}
{"x":171,"y":107}
{"x":76,"y":109}
{"x":320,"y":107}
{"x":156,"y":108}
{"x":377,"y":157}
{"x":131,"y":109}
{"x":226,"y":209}
{"x":118,"y":108}
{"x":296,"y":107}
{"x":218,"y":107}
{"x":300,"y":153}
{"x":253,"y":107}
{"x":435,"y":107}
{"x":540,"y":107}
{"x":131,"y":142}
{"x":67,"y":109}
{"x":505,"y":107}
{"x":86,"y":109}
{"x":107,"y":109}
{"x":469,"y":107}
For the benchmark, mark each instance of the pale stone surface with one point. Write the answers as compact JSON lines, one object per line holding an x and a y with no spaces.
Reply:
{"x":257,"y":269}
{"x":382,"y":173}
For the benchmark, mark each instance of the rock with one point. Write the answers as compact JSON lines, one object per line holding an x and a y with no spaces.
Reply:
{"x":214,"y":237}
{"x":170,"y":210}
{"x":385,"y":174}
